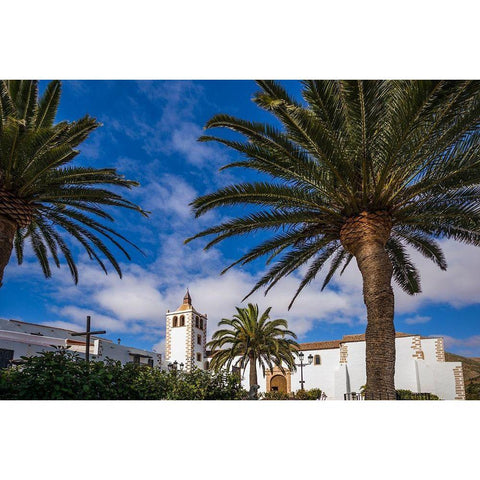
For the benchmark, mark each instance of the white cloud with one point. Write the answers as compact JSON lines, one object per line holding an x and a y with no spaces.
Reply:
{"x":458,"y":286}
{"x":170,"y":195}
{"x":160,"y":347}
{"x":184,"y":141}
{"x":417,"y":319}
{"x":469,"y":346}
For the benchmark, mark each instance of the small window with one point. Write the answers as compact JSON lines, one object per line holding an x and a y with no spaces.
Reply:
{"x":175,"y":321}
{"x":207,"y":365}
{"x":196,"y":322}
{"x":150,"y":362}
{"x":317,"y":360}
{"x":199,"y":357}
{"x":182,"y":321}
{"x":5,"y":356}
{"x":136,"y":359}
{"x":201,"y":323}
{"x":199,"y":339}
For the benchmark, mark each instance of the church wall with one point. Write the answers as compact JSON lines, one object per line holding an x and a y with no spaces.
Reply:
{"x":429,"y":347}
{"x":440,"y":378}
{"x":342,"y":370}
{"x":357,"y":376}
{"x":406,"y":355}
{"x":318,"y":376}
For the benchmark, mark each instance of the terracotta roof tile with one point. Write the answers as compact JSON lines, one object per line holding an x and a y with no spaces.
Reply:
{"x":361,"y":337}
{"x":320,"y":345}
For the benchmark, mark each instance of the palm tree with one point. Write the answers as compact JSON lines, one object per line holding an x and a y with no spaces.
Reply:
{"x":41,"y":193}
{"x":358,"y":169}
{"x":250,"y":339}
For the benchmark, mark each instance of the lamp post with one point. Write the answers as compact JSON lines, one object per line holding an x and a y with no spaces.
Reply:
{"x":301,"y":365}
{"x":173,"y":367}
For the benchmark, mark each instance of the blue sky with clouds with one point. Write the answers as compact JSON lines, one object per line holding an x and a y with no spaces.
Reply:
{"x":149,"y":133}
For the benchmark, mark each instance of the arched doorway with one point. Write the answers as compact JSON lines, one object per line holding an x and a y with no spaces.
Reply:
{"x":278,"y":383}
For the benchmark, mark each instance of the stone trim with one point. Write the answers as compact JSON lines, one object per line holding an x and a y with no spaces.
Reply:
{"x":276,"y":371}
{"x":168,"y":339}
{"x":343,"y":353}
{"x":417,"y":348}
{"x":190,"y":343}
{"x":439,"y":350}
{"x":459,"y":383}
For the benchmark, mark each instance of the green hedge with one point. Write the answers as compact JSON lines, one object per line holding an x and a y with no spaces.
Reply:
{"x":409,"y":395}
{"x":62,"y":375}
{"x":313,"y":394}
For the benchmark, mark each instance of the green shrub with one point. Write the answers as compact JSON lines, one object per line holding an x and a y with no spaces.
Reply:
{"x":312,"y":394}
{"x":409,"y":395}
{"x":63,"y":375}
{"x":472,"y":391}
{"x":274,"y":396}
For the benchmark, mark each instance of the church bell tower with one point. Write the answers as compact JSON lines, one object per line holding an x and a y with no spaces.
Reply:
{"x":186,"y":335}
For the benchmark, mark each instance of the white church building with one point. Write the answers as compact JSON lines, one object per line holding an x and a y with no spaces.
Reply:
{"x":337,"y":367}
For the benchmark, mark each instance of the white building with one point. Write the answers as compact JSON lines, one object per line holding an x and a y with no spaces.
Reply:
{"x":186,"y":335}
{"x":338,"y":366}
{"x":18,"y":339}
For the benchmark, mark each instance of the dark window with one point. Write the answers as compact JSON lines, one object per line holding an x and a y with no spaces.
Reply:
{"x":196,"y":322}
{"x":199,"y":357}
{"x":175,"y":321}
{"x":150,"y":362}
{"x":5,"y":357}
{"x":317,"y":360}
{"x":182,"y":321}
{"x":136,"y":359}
{"x":201,"y":323}
{"x":207,"y":365}
{"x":199,"y":339}
{"x":274,"y":389}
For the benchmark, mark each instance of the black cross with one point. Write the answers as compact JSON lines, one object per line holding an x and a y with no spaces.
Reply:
{"x":87,"y":336}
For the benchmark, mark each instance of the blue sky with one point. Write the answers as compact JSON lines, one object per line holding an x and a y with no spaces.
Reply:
{"x":149,"y":133}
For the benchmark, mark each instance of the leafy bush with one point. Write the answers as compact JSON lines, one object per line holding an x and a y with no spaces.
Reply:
{"x":409,"y":395}
{"x":63,"y":375}
{"x":313,"y":394}
{"x":472,"y":391}
{"x":274,"y":396}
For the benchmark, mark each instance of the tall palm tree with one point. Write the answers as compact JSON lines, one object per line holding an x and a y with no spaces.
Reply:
{"x":43,"y":196}
{"x":250,"y":339}
{"x":358,"y":169}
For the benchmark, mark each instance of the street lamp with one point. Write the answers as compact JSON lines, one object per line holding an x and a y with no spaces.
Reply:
{"x":301,"y":356}
{"x":173,"y":367}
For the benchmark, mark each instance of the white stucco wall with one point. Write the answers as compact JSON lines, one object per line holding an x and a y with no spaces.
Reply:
{"x":318,"y":376}
{"x":429,"y":349}
{"x":405,"y":369}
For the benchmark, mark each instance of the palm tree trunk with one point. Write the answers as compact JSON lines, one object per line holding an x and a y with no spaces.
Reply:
{"x":7,"y":234}
{"x":253,"y":370}
{"x":376,"y":269}
{"x":365,"y":237}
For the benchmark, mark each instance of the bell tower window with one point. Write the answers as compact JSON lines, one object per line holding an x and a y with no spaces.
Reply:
{"x":175,"y":321}
{"x":182,"y":321}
